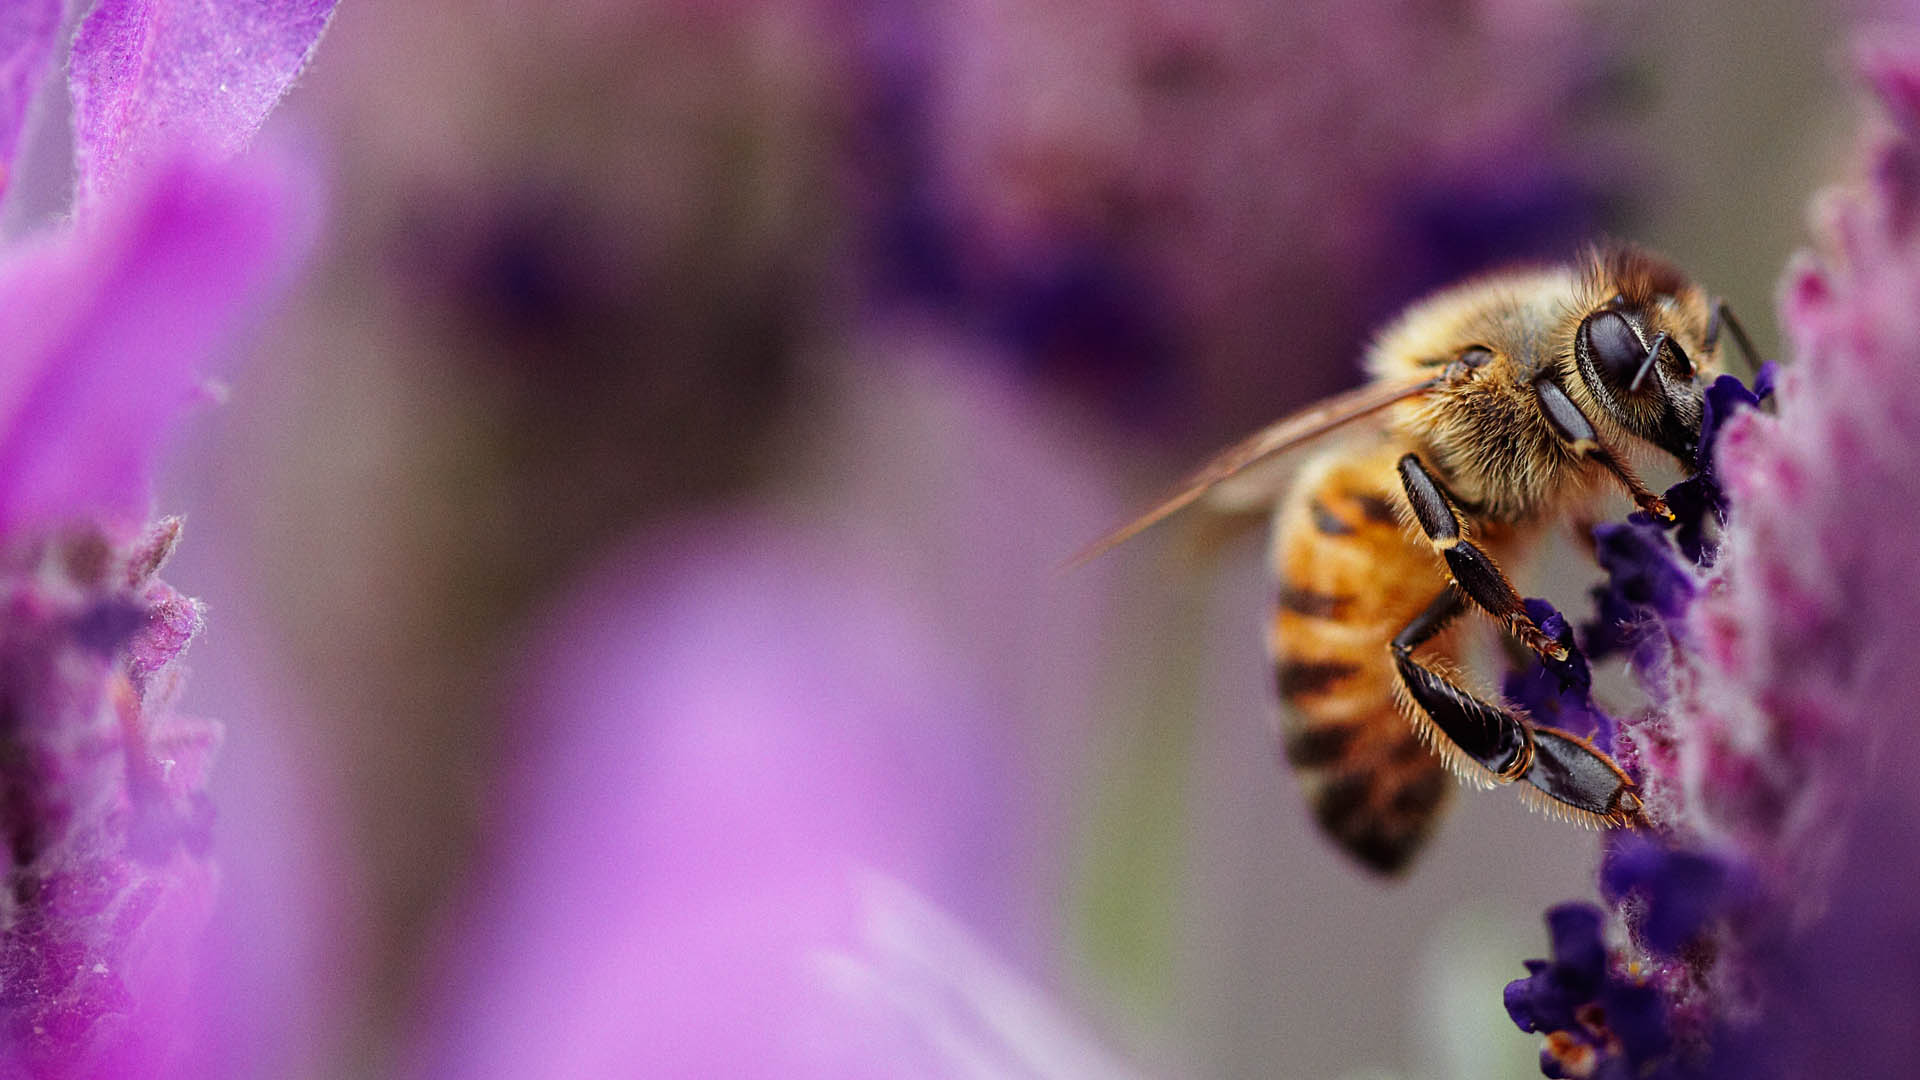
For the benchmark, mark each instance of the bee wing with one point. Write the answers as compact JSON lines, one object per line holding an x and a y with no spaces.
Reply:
{"x":1289,"y":431}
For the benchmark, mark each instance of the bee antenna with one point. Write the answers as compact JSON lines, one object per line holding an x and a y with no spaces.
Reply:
{"x":1653,"y":353}
{"x":1723,"y":316}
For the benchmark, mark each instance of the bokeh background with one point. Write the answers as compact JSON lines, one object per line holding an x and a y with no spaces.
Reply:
{"x":650,"y":497}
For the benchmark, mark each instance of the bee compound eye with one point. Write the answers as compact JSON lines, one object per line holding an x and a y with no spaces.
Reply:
{"x":1615,"y":348}
{"x":1475,"y":355}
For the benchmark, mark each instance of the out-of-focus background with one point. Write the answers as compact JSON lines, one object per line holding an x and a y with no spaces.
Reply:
{"x":675,"y":437}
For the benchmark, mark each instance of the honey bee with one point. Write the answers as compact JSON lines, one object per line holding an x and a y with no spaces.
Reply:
{"x":1497,"y":409}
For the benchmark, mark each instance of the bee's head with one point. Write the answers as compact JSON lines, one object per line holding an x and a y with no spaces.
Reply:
{"x":1643,"y":378}
{"x":1636,"y":352}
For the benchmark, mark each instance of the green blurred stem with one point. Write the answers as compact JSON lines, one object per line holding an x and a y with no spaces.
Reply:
{"x":1128,"y":875}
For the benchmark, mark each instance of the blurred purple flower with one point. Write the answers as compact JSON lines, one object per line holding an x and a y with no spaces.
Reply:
{"x":1769,"y":912}
{"x":724,"y":741}
{"x":110,"y":328}
{"x":1199,"y":210}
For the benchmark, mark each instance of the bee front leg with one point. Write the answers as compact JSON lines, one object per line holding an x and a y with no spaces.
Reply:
{"x":1576,"y":431}
{"x":1466,"y":726}
{"x":1473,"y":570}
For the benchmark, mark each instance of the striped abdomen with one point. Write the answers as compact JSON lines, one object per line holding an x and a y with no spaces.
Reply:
{"x":1350,"y":579}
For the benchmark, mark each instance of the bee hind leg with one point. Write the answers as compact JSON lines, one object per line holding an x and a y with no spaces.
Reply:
{"x":1462,"y":725}
{"x":1565,"y":774}
{"x":1472,"y":569}
{"x":1581,"y":781}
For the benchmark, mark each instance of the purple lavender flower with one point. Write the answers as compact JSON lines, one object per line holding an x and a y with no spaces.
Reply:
{"x":1201,"y":209}
{"x":1600,"y":1021}
{"x":1559,"y":693}
{"x":106,"y":814}
{"x":110,"y":327}
{"x":1765,"y":921}
{"x":107,"y":824}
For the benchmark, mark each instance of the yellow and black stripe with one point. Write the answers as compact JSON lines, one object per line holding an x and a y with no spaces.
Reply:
{"x":1350,"y":577}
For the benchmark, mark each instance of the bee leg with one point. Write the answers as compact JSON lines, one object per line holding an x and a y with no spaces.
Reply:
{"x":1487,"y":734}
{"x":1473,"y":570}
{"x":1577,"y":432}
{"x":1723,"y":316}
{"x":1571,"y":771}
{"x":1566,"y":769}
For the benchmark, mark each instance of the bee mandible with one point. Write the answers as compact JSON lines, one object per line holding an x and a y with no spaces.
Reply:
{"x":1497,"y":409}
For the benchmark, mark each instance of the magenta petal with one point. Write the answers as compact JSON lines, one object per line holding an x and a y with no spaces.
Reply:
{"x":718,"y":737}
{"x":278,"y":942}
{"x":1892,"y":68}
{"x":151,"y":77}
{"x":27,"y":32}
{"x":109,"y":332}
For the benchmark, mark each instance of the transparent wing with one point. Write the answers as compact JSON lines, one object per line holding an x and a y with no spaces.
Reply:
{"x":1290,"y":431}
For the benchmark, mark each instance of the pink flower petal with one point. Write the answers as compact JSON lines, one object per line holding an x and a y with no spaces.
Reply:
{"x":109,"y":331}
{"x":280,"y":941}
{"x":939,"y":1002}
{"x":150,"y":77}
{"x":718,"y":736}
